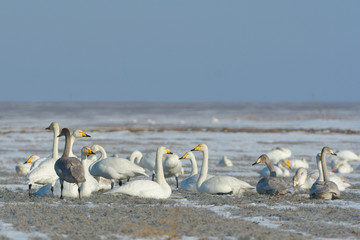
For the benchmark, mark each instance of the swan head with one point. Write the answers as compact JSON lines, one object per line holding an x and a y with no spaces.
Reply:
{"x":300,"y":177}
{"x":162,"y":149}
{"x":86,"y":151}
{"x":52,"y":126}
{"x":32,"y":158}
{"x":80,"y":133}
{"x":201,"y":147}
{"x":327,"y":150}
{"x":262,"y":158}
{"x":64,"y":132}
{"x":188,"y":155}
{"x":285,"y":163}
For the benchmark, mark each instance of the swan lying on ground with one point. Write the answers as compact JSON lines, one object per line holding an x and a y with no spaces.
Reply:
{"x":146,"y":188}
{"x":218,"y":184}
{"x":190,"y":183}
{"x":270,"y":185}
{"x":324,"y":188}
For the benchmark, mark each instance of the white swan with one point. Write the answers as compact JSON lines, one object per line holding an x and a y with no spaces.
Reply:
{"x":298,"y":163}
{"x":270,"y":185}
{"x":343,"y":166}
{"x":45,"y":173}
{"x":324,"y":188}
{"x":146,"y":188}
{"x":218,"y":184}
{"x":171,"y":164}
{"x":225,"y":162}
{"x":279,"y":168}
{"x":304,"y":180}
{"x":23,"y":169}
{"x":190,"y":183}
{"x":114,"y":168}
{"x":279,"y":153}
{"x":70,"y":190}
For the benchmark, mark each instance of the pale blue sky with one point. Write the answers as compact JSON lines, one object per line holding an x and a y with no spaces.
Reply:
{"x":180,"y":51}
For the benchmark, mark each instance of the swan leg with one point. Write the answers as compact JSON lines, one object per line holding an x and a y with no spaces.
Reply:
{"x":30,"y":190}
{"x":52,"y":191}
{"x":112,"y":185}
{"x":177,"y":182}
{"x":61,"y":188}
{"x":153,"y":177}
{"x":128,"y":179}
{"x":79,"y":191}
{"x":120,"y":182}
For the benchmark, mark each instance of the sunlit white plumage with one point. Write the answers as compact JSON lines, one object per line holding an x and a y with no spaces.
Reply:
{"x":23,"y":169}
{"x":280,"y":169}
{"x":190,"y":183}
{"x":298,"y":163}
{"x":146,"y":188}
{"x":115,"y":168}
{"x":225,"y":162}
{"x":278,"y":153}
{"x":171,"y":164}
{"x":218,"y":184}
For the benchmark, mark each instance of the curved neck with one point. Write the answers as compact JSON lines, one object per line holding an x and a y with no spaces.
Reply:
{"x":67,"y":145}
{"x":324,"y":167}
{"x":204,"y":168}
{"x":271,"y":168}
{"x":135,"y":156}
{"x":160,"y":178}
{"x":55,"y":151}
{"x":193,"y":166}
{"x":102,"y":151}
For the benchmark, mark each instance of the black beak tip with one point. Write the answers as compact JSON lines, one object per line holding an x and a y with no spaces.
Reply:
{"x":254,"y":163}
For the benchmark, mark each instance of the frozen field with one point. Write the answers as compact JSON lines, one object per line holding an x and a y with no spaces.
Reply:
{"x":241,"y":131}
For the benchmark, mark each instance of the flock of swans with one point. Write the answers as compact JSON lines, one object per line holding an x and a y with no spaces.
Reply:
{"x":69,"y":176}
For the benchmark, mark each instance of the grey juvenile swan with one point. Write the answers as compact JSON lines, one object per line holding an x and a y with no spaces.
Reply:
{"x":68,"y":168}
{"x":270,"y":185}
{"x":324,"y":188}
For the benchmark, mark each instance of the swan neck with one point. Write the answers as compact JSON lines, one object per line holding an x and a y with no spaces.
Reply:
{"x":194,"y":167}
{"x":204,"y":168}
{"x":321,"y":176}
{"x":72,"y":140}
{"x":103,"y":153}
{"x":55,"y":150}
{"x":160,"y":178}
{"x":67,"y":148}
{"x":271,"y":168}
{"x":324,"y":167}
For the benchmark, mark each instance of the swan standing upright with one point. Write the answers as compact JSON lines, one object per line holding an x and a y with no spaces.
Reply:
{"x":146,"y":188}
{"x":44,"y":173}
{"x":218,"y":184}
{"x":324,"y":188}
{"x":68,"y":168}
{"x":270,"y":185}
{"x":114,"y":167}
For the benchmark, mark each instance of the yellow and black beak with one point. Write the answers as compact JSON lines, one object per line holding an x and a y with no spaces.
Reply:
{"x":196,"y":149}
{"x":84,"y":134}
{"x":184,"y":156}
{"x":257,"y":161}
{"x":28,"y":161}
{"x":168,"y":151}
